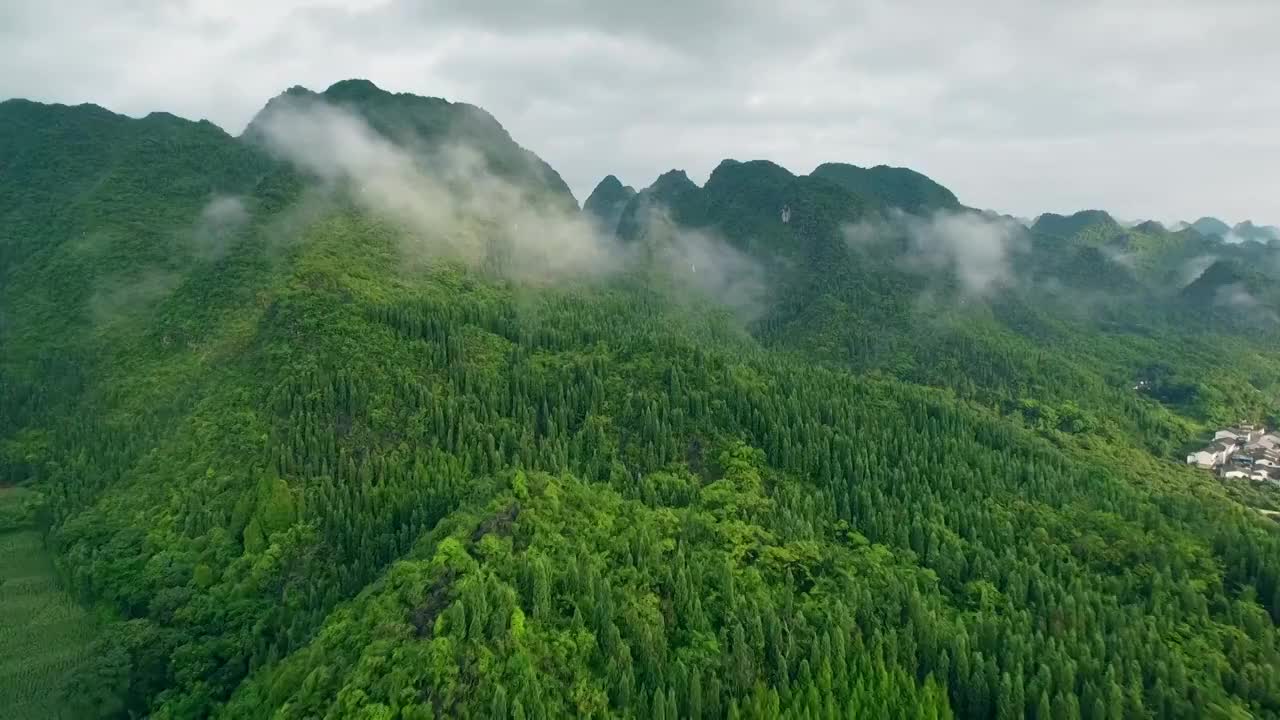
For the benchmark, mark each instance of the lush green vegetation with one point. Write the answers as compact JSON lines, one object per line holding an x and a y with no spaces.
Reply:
{"x":1058,"y":341}
{"x":311,"y":479}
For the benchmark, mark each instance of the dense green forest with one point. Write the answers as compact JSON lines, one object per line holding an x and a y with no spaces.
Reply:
{"x":783,"y":451}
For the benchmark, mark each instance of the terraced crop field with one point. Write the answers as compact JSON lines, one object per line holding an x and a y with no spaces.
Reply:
{"x":44,"y":634}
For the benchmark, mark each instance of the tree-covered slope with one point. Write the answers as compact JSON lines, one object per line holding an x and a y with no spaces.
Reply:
{"x":321,"y":472}
{"x":86,"y":193}
{"x":1054,"y":325}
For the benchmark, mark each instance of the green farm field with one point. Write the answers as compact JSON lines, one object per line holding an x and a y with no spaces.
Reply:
{"x":44,"y":634}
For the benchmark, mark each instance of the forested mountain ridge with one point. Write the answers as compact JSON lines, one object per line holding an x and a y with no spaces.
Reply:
{"x":1055,"y":322}
{"x":1070,"y":226}
{"x":328,"y":461}
{"x":897,"y":187}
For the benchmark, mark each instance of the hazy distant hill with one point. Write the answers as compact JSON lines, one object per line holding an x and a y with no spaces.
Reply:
{"x":1069,"y":226}
{"x":1248,"y":232}
{"x":1211,"y":227}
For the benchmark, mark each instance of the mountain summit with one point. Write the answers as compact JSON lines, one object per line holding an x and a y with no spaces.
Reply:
{"x":607,"y":202}
{"x":1211,"y":227}
{"x":423,"y":125}
{"x":1072,"y":225}
{"x":896,"y":187}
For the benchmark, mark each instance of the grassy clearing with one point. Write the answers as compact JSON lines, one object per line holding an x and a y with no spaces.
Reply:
{"x":44,"y":634}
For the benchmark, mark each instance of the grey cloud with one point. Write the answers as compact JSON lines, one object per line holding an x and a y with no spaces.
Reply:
{"x":1122,"y":258}
{"x":1194,"y":268}
{"x":452,"y":208}
{"x":1235,"y":238}
{"x":121,"y":299}
{"x":1022,"y":106}
{"x":1238,"y":298}
{"x":699,"y":264}
{"x":220,"y":220}
{"x":446,"y":199}
{"x":978,"y":250}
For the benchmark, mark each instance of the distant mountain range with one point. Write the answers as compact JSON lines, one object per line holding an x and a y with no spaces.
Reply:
{"x":1241,"y":232}
{"x":1210,"y":227}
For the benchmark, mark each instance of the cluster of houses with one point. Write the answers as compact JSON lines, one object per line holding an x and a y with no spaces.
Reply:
{"x":1246,"y":451}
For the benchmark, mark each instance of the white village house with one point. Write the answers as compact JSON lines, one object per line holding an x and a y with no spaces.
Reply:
{"x":1203,"y":458}
{"x":1246,"y":451}
{"x":1243,"y":434}
{"x":1216,"y":454}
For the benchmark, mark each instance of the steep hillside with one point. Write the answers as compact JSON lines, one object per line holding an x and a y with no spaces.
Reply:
{"x":1218,"y":276}
{"x":87,"y":191}
{"x":1236,"y":295}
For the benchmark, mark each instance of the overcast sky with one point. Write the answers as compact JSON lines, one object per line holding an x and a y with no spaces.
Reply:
{"x":1162,"y":109}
